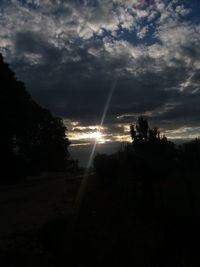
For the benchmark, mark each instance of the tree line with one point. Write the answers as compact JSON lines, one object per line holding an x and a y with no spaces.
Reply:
{"x":31,"y":138}
{"x":151,"y":153}
{"x":150,"y":158}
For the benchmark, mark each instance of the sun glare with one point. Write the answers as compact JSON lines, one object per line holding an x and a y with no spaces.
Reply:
{"x":97,"y":136}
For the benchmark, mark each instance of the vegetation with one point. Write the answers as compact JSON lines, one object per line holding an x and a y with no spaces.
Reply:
{"x":149,"y":160}
{"x":122,"y":220}
{"x":31,"y":138}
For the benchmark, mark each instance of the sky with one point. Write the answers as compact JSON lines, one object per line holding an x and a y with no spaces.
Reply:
{"x":85,"y":58}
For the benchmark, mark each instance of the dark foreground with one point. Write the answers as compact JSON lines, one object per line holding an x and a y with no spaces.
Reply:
{"x":114,"y":226}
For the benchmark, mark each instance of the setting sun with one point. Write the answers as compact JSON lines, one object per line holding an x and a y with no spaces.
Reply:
{"x":98,"y":136}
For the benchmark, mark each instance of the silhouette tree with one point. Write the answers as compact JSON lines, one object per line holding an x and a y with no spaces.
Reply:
{"x":154,"y":135}
{"x":140,"y":132}
{"x":153,"y":157}
{"x":31,"y":139}
{"x":189,"y":157}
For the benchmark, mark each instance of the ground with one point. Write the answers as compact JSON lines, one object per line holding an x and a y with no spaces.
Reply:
{"x":42,"y":225}
{"x":26,"y":207}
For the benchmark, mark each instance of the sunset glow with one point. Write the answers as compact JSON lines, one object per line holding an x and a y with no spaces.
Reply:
{"x":101,"y":64}
{"x":98,"y":136}
{"x":88,"y":135}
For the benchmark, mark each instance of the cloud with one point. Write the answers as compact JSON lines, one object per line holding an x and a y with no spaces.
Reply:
{"x":69,"y":52}
{"x":142,"y":33}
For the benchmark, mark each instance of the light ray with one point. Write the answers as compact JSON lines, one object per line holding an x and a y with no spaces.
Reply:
{"x":105,"y":111}
{"x":86,"y":175}
{"x":110,"y":95}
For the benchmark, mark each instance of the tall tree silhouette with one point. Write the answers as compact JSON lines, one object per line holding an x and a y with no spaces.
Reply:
{"x":140,"y":132}
{"x":154,"y":156}
{"x":31,"y":138}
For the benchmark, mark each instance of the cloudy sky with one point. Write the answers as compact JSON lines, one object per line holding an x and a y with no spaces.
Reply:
{"x":136,"y":56}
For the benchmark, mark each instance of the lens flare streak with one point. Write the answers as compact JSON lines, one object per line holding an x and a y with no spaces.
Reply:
{"x":86,"y":175}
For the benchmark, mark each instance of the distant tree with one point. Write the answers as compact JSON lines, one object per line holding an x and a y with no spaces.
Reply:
{"x":140,"y":132}
{"x":154,"y":135}
{"x":154,"y":156}
{"x":190,"y":154}
{"x":31,"y":138}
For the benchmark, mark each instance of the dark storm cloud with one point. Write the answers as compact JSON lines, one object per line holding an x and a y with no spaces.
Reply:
{"x":186,"y":111}
{"x":69,"y":53}
{"x":35,"y":43}
{"x":78,"y":90}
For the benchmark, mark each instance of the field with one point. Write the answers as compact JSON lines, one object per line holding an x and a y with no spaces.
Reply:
{"x":39,"y":225}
